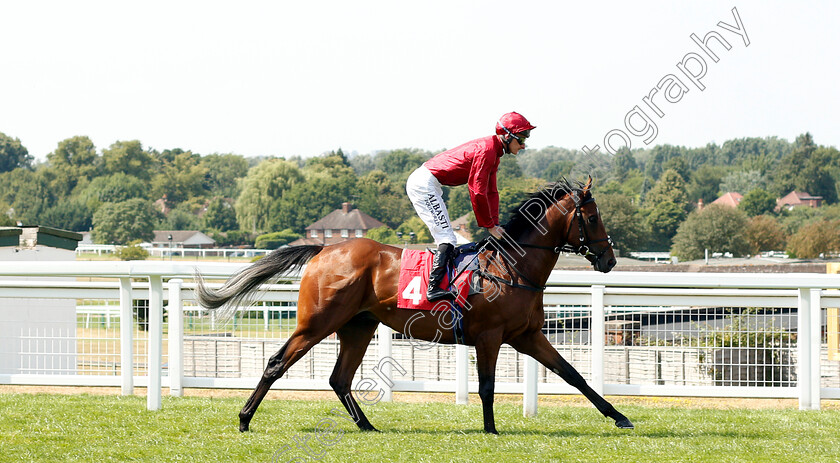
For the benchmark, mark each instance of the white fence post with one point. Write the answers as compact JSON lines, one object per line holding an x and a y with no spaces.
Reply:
{"x":597,"y":334}
{"x":155,"y":341}
{"x":384,"y":332}
{"x":462,"y":364}
{"x":176,"y":338}
{"x":808,"y":335}
{"x":529,"y":396}
{"x":814,"y":345}
{"x":126,"y":337}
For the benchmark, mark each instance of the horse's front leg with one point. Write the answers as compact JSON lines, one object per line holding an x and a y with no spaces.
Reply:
{"x":486,"y":354}
{"x":535,"y":344}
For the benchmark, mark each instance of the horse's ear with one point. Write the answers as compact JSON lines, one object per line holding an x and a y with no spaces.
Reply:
{"x":588,"y":186}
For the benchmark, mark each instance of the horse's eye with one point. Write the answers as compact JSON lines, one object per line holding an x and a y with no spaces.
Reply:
{"x":593,"y":219}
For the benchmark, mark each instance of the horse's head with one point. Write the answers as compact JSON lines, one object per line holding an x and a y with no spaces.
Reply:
{"x":587,"y":235}
{"x":563,"y":216}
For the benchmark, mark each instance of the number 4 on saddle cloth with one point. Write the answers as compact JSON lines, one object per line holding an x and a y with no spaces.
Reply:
{"x":414,"y":278}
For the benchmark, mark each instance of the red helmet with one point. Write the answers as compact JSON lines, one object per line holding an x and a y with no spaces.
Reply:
{"x":512,"y":123}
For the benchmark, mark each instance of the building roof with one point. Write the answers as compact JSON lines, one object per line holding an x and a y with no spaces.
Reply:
{"x":30,"y":237}
{"x":189,"y":237}
{"x":346,"y":218}
{"x":730,"y":199}
{"x":796,"y":198}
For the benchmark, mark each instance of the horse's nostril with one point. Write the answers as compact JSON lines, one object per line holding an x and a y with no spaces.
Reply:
{"x":611,"y":263}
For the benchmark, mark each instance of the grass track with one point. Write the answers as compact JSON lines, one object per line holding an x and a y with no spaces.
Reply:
{"x":93,"y":428}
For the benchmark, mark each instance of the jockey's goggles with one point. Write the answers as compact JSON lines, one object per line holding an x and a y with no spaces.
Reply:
{"x":522,"y":137}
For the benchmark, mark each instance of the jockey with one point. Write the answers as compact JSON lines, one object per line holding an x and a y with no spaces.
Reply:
{"x":475,"y":164}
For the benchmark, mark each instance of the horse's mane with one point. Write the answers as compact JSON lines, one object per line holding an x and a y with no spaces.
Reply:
{"x":521,"y":223}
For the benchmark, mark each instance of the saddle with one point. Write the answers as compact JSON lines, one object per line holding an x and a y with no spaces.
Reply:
{"x":414,"y":278}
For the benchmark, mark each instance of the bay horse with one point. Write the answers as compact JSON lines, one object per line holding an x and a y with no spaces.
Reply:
{"x":351,"y":287}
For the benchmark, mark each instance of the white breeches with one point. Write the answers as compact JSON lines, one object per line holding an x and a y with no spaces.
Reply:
{"x":425,"y":194}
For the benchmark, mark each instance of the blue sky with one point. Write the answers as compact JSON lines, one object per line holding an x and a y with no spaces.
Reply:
{"x":301,"y":78}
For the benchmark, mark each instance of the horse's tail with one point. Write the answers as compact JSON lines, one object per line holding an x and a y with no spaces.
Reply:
{"x":239,"y":290}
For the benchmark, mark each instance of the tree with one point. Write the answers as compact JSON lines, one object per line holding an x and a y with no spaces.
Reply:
{"x":27,"y":192}
{"x":77,"y":155}
{"x":362,"y":164}
{"x":220,"y":215}
{"x":669,"y":187}
{"x":169,"y":155}
{"x":660,"y":154}
{"x":222,"y":173}
{"x":704,"y":183}
{"x":816,"y":178}
{"x":742,"y":181}
{"x":276,"y":239}
{"x":13,"y":154}
{"x":384,"y":235}
{"x":509,"y":172}
{"x":325,"y":189}
{"x":663,"y":221}
{"x":120,"y":223}
{"x":383,"y":199}
{"x":622,"y":221}
{"x":401,"y":162}
{"x":622,"y":163}
{"x":679,"y":165}
{"x":807,"y":168}
{"x":113,"y":188}
{"x":716,"y":228}
{"x":794,"y":219}
{"x":262,"y":189}
{"x":132,"y":252}
{"x":179,"y":179}
{"x":421,"y":231}
{"x":68,"y":214}
{"x":557,"y":170}
{"x":233,"y":238}
{"x":181,"y":217}
{"x":815,"y":239}
{"x":458,"y":202}
{"x":6,"y":219}
{"x":753,"y":153}
{"x":128,"y":157}
{"x":764,"y":234}
{"x":757,"y":202}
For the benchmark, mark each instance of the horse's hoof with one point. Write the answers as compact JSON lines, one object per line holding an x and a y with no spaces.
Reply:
{"x":243,"y":427}
{"x":624,"y":423}
{"x":492,"y":431}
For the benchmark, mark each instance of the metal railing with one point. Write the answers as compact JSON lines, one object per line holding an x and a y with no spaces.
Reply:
{"x":647,"y":333}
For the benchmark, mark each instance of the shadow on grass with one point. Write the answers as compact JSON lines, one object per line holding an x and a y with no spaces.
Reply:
{"x":561,"y":433}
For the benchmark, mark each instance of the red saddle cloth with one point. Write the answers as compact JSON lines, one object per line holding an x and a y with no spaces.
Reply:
{"x":414,"y":279}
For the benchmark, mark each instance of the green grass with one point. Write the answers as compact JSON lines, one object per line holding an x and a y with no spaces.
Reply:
{"x":91,"y":428}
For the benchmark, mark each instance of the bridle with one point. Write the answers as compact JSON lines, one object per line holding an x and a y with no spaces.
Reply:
{"x":583,"y":248}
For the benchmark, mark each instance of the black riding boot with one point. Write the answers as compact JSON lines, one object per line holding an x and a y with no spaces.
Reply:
{"x":444,"y":255}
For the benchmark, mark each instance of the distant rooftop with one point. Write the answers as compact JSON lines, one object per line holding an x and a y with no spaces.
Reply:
{"x":32,"y":236}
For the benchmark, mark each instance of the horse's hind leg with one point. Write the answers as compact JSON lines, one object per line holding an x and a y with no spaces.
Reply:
{"x":537,"y":346}
{"x":355,"y":337}
{"x":296,"y":347}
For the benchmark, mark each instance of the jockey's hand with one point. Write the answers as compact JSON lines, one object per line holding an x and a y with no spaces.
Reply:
{"x":496,"y":231}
